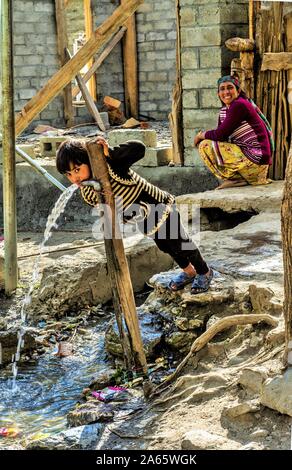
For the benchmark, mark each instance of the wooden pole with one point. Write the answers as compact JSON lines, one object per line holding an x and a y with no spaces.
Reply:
{"x":71,"y":68}
{"x":9,"y":177}
{"x":130,"y":67}
{"x":88,"y":34}
{"x":116,"y":258}
{"x":97,"y":63}
{"x":88,"y":99}
{"x":250,"y":19}
{"x":62,"y":45}
{"x":175,"y":117}
{"x":286,"y":220}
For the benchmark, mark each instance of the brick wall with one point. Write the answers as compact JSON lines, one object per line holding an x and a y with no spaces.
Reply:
{"x":205,"y":24}
{"x":35,"y":54}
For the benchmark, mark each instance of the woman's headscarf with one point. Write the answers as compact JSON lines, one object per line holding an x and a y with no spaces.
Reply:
{"x":229,"y":78}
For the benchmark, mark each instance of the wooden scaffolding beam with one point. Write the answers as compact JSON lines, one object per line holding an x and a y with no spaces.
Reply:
{"x":62,"y":39}
{"x":130,"y":67}
{"x":88,"y":34}
{"x":61,"y":78}
{"x":97,"y":63}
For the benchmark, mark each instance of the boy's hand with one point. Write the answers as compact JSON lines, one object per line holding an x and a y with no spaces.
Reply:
{"x":101,"y":141}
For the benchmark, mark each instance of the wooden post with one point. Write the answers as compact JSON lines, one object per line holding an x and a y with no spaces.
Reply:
{"x":88,"y":99}
{"x":250,"y":19}
{"x":175,"y":117}
{"x":62,"y":45}
{"x":117,"y":261}
{"x":97,"y":63}
{"x":9,"y":177}
{"x":288,"y":31}
{"x":71,"y":68}
{"x":88,"y":34}
{"x":286,"y":211}
{"x":130,"y":67}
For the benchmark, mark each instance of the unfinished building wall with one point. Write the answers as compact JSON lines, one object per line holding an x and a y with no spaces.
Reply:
{"x":205,"y":25}
{"x":35,"y":55}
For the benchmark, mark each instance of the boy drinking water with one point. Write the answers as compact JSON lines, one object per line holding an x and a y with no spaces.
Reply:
{"x":157,"y":216}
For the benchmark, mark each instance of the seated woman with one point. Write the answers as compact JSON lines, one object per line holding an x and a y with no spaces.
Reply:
{"x":239,"y":151}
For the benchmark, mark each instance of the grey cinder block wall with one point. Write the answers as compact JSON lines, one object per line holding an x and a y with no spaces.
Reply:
{"x":205,"y":24}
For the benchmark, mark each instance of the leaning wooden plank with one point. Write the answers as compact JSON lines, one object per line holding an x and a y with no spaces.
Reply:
{"x":116,"y":258}
{"x":97,"y":63}
{"x":277,"y":61}
{"x":88,"y":34}
{"x":62,"y":38}
{"x":88,"y":99}
{"x":69,"y":70}
{"x":130,"y":67}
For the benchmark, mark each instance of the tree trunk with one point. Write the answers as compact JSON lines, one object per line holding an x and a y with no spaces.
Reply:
{"x":286,"y":220}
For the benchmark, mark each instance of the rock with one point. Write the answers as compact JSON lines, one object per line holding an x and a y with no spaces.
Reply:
{"x":3,"y":324}
{"x":233,"y":411}
{"x":251,"y":446}
{"x":259,"y":433}
{"x":260,"y":298}
{"x":276,"y":393}
{"x":199,"y":439}
{"x":253,"y":378}
{"x":276,"y":335}
{"x":80,"y":438}
{"x":9,"y":340}
{"x":255,"y":340}
{"x":150,"y":330}
{"x":180,"y":340}
{"x":89,"y":413}
{"x":103,"y":379}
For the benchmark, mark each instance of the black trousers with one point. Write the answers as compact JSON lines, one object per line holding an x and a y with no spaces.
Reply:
{"x":172,"y":238}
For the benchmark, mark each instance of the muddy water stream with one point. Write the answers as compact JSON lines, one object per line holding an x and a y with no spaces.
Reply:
{"x":47,"y":389}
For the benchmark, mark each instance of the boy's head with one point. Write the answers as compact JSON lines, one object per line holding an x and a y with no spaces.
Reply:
{"x":72,"y":160}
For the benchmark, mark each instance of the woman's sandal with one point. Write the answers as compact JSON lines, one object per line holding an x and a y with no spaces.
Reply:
{"x":202,"y":282}
{"x":179,"y":281}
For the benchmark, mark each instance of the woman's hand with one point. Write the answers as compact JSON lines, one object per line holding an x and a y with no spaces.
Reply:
{"x":101,"y":141}
{"x":198,"y":138}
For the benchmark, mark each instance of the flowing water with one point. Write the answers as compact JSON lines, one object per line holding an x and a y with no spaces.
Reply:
{"x":58,"y":209}
{"x":50,"y":387}
{"x":40,"y":394}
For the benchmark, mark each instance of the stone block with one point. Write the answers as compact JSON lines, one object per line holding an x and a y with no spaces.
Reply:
{"x":210,"y":57}
{"x":164,"y":155}
{"x":188,"y":16}
{"x":200,"y":79}
{"x":120,"y":136}
{"x":50,"y":144}
{"x":209,"y":98}
{"x":189,"y":59}
{"x":201,"y":36}
{"x":190,"y":99}
{"x":150,"y":158}
{"x":201,"y":118}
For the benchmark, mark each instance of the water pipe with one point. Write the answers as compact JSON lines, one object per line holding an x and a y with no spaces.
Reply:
{"x":40,"y":169}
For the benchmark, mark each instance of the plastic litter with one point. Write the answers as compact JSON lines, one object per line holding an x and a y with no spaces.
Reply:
{"x":111,"y":393}
{"x":9,"y":432}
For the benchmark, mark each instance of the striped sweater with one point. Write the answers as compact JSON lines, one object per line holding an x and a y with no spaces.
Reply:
{"x":240,"y":124}
{"x":131,"y":189}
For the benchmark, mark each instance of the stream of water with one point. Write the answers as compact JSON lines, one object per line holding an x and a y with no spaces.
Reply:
{"x":47,"y":389}
{"x":36,"y":399}
{"x":57,"y":210}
